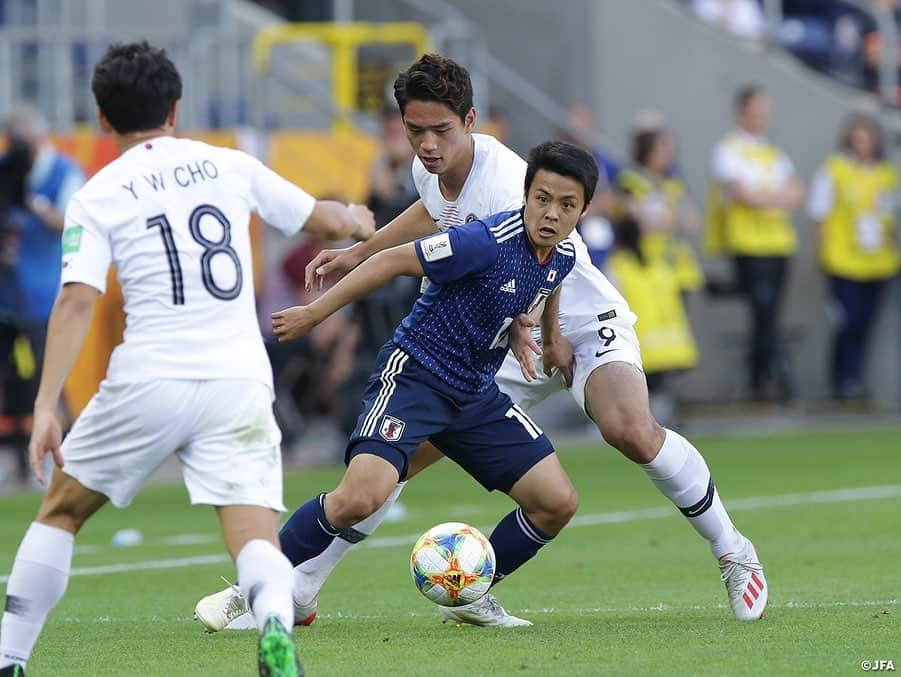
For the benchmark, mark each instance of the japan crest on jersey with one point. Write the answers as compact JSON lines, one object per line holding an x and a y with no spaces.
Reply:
{"x":391,"y":429}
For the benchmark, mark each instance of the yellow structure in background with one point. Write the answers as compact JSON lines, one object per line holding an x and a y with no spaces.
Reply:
{"x":345,"y":41}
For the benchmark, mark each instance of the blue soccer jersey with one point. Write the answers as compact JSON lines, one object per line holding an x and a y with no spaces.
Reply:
{"x":483,"y":273}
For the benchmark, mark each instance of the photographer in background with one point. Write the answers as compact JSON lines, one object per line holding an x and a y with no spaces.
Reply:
{"x":38,"y":182}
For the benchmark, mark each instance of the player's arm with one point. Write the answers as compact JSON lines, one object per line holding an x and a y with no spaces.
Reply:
{"x":411,"y":224}
{"x":66,"y":331}
{"x":336,"y":221}
{"x":372,"y":274}
{"x":556,"y":351}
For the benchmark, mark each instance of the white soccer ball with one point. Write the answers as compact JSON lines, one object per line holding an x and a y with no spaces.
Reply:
{"x":452,"y":564}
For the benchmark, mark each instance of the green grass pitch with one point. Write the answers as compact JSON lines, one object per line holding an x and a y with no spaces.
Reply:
{"x":628,"y":588}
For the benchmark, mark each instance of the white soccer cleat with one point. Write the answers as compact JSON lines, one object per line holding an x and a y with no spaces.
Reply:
{"x":221,"y":610}
{"x":745,"y":583}
{"x":305,"y":614}
{"x":485,"y":611}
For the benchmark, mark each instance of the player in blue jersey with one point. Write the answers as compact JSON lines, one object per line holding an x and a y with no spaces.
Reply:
{"x":435,"y":379}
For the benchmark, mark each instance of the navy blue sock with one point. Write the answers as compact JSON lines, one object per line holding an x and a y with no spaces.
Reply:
{"x":307,"y":532}
{"x":515,"y":541}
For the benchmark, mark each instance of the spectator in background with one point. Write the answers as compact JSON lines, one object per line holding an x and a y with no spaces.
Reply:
{"x":391,"y":192}
{"x":325,"y":360}
{"x":659,"y":201}
{"x":651,"y":287}
{"x":851,"y":203}
{"x":594,"y":227}
{"x":34,"y":262}
{"x":754,"y":191}
{"x":741,"y":18}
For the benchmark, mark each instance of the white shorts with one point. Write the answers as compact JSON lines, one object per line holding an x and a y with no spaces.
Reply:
{"x":595,"y":343}
{"x":223,"y":432}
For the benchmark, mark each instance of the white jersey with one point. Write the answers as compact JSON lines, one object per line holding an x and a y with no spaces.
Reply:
{"x":173,"y":216}
{"x":495,"y":184}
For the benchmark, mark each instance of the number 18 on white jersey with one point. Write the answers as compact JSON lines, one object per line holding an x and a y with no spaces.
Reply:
{"x":173,"y":216}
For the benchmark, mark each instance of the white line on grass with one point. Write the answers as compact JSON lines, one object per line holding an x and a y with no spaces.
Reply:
{"x":659,"y":608}
{"x":754,"y":503}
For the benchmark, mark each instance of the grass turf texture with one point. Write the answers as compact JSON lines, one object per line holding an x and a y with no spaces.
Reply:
{"x":640,"y":596}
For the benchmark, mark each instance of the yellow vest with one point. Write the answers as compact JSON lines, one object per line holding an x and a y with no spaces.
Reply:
{"x":856,"y":240}
{"x":653,"y":293}
{"x":746,"y":231}
{"x":665,"y":246}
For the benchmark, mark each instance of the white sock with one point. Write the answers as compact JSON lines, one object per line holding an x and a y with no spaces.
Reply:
{"x":310,"y":576}
{"x":265,"y":580}
{"x":37,"y":582}
{"x":681,"y":474}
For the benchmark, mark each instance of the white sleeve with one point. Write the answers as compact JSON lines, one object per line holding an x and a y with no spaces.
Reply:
{"x":86,"y":248}
{"x":726,"y":165}
{"x":507,"y":194}
{"x":277,"y":201}
{"x":822,"y":195}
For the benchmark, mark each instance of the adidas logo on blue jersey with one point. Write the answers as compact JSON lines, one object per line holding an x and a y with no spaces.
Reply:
{"x":509,"y":287}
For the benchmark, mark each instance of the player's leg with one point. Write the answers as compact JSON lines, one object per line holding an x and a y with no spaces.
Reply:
{"x":40,"y":570}
{"x":231,"y":460}
{"x":251,"y":536}
{"x":616,"y":399}
{"x":310,"y":576}
{"x":497,"y":443}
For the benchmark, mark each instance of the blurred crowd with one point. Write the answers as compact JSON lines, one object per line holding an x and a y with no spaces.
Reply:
{"x":644,"y":229}
{"x":833,"y":36}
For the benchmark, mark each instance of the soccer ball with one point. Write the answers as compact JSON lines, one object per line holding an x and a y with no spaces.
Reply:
{"x":452,"y":564}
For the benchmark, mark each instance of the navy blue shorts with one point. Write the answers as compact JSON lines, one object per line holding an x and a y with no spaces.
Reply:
{"x":486,"y":434}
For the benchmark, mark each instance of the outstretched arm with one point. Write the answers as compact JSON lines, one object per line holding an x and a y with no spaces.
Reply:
{"x":413,"y":223}
{"x":66,"y":331}
{"x":296,"y":322}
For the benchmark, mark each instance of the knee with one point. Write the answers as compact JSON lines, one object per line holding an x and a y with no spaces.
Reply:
{"x":343,"y":510}
{"x":633,"y":433}
{"x":557,"y":511}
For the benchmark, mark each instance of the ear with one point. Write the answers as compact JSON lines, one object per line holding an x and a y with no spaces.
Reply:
{"x":172,"y":118}
{"x":469,"y":122}
{"x":104,"y":123}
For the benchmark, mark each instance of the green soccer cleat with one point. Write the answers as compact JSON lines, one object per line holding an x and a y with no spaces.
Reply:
{"x":12,"y":671}
{"x":277,"y":654}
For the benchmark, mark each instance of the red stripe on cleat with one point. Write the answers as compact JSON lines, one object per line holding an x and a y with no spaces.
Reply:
{"x":306,"y":621}
{"x":748,"y":601}
{"x":753,"y":591}
{"x":757,"y":580}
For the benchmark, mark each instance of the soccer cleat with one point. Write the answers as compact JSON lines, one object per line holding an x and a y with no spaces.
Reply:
{"x":218,"y":611}
{"x":277,"y":655}
{"x":14,"y":670}
{"x":745,"y":583}
{"x":305,"y":614}
{"x":485,"y":611}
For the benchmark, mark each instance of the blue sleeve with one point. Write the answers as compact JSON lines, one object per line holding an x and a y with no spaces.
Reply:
{"x":458,"y":252}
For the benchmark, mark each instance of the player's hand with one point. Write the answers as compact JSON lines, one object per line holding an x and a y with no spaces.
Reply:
{"x":293,"y":323}
{"x":558,"y":354}
{"x":524,"y":346}
{"x":46,"y":435}
{"x":331,"y":261}
{"x":365,"y":221}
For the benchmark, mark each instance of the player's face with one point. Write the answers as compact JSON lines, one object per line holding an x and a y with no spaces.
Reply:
{"x":755,"y":116}
{"x":554,"y":205}
{"x":437,"y":135}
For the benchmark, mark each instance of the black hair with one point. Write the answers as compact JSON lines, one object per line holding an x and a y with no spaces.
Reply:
{"x":744,"y":95}
{"x":643,"y":144}
{"x":564,"y":159}
{"x":135,"y":86}
{"x":627,"y":237}
{"x":435,"y":78}
{"x":856,"y":120}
